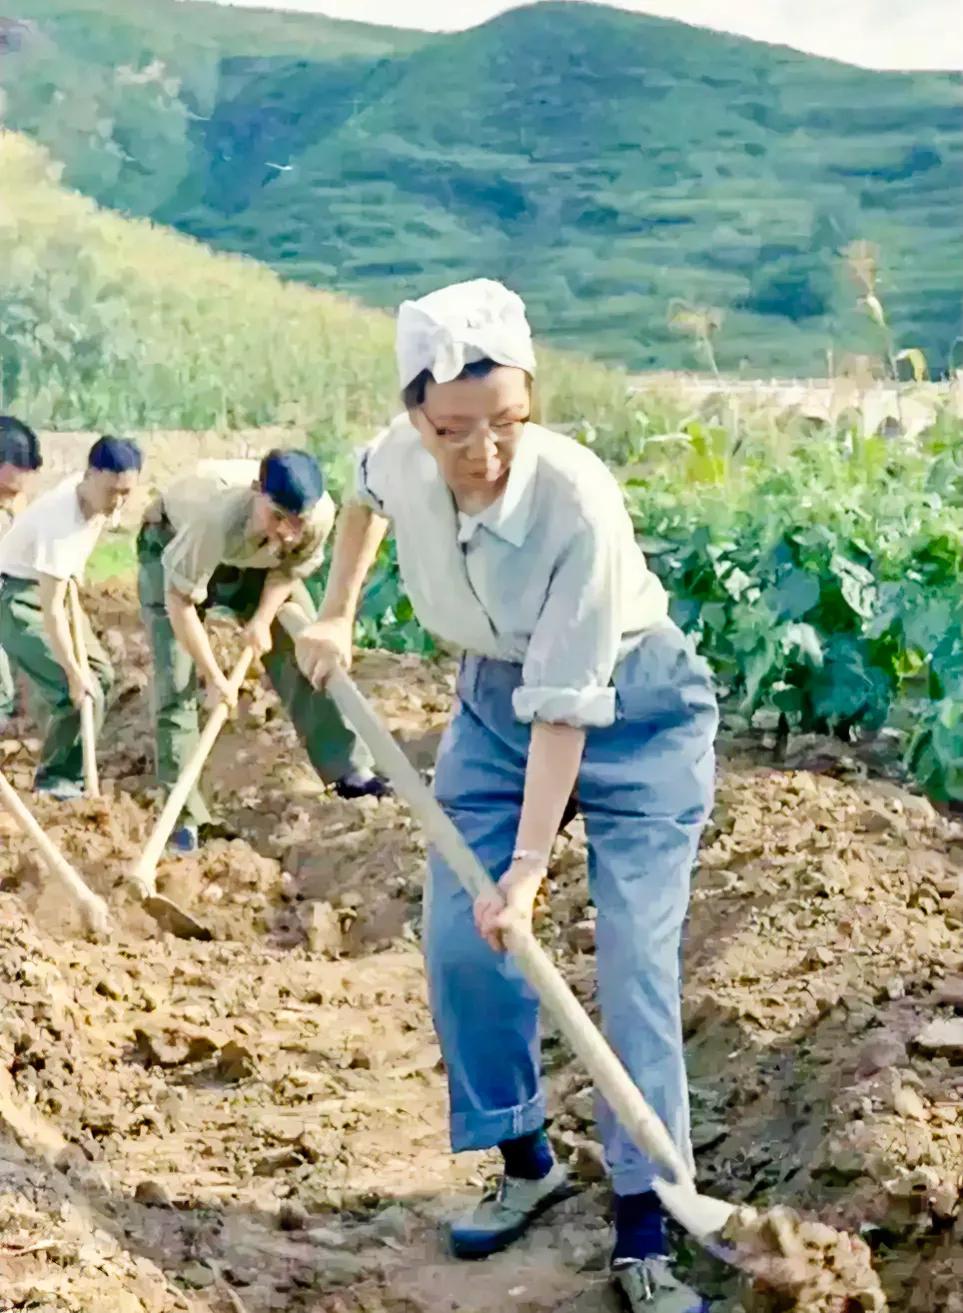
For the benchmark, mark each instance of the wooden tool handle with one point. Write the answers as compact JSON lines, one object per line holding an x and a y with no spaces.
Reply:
{"x":92,"y":907}
{"x":610,"y":1077}
{"x":88,"y":731}
{"x":144,"y":874}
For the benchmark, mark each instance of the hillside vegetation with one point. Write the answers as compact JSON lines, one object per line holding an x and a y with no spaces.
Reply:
{"x":107,"y":322}
{"x":603,"y":162}
{"x":817,"y":560}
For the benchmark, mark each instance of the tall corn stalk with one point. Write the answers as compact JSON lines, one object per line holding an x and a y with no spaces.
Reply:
{"x":699,"y":322}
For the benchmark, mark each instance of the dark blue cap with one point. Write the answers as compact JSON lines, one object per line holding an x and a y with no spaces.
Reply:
{"x":292,"y":479}
{"x":115,"y":456}
{"x":19,"y":445}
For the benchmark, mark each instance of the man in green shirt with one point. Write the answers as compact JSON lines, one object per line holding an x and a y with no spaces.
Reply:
{"x":238,"y":536}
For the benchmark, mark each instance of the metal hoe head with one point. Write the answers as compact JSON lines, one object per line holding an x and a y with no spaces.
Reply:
{"x":174,"y":919}
{"x":700,"y":1214}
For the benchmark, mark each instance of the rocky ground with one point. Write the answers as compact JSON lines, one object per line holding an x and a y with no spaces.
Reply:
{"x":258,"y":1122}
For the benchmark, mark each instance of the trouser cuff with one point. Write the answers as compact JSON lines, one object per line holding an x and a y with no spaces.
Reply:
{"x":483,"y":1130}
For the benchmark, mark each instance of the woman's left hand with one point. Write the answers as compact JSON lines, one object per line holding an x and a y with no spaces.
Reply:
{"x":510,"y":906}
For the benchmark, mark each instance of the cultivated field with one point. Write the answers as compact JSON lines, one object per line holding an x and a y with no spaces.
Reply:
{"x":258,"y":1122}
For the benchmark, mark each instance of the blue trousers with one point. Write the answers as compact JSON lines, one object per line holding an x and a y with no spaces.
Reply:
{"x":645,"y":790}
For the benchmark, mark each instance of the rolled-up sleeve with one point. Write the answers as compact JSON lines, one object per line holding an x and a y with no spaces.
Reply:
{"x":567,"y":672}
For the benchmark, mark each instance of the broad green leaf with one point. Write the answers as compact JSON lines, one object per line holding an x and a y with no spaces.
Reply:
{"x":847,"y":687}
{"x":796,"y":593}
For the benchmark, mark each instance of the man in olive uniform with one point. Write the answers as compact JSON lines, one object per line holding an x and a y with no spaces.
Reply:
{"x":240,"y":537}
{"x":19,"y":459}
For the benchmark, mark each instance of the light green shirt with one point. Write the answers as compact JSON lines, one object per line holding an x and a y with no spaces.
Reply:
{"x":210,"y":512}
{"x":550,"y":576}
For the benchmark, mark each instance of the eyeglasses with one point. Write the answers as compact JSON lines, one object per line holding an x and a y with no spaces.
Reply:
{"x":286,"y":520}
{"x":501,"y":430}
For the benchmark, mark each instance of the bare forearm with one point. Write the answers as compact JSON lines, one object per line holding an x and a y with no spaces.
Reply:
{"x":358,"y":536}
{"x":276,"y":591}
{"x":57,"y":627}
{"x":190,"y":633}
{"x":554,"y":758}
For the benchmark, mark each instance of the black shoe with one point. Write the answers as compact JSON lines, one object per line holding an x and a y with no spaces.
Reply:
{"x":362,"y":784}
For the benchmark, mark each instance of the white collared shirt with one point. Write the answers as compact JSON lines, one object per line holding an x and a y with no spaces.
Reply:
{"x":549,"y":576}
{"x":52,"y":536}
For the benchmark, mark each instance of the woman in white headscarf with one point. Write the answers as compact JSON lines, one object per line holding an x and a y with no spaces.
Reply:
{"x":514,"y":544}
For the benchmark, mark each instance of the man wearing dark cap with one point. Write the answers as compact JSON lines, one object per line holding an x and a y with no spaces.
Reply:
{"x":238,"y":536}
{"x":19,"y":458}
{"x":46,"y":546}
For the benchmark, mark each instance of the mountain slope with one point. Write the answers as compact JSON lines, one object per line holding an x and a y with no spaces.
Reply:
{"x":111,"y":323}
{"x":603,"y":162}
{"x":114,"y":323}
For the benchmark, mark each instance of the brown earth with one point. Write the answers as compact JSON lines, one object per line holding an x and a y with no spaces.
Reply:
{"x":258,"y":1122}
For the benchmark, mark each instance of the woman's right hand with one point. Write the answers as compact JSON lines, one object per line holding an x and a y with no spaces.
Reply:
{"x":323,"y":648}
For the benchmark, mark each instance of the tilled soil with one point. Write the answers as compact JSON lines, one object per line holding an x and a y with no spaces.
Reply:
{"x":258,"y":1122}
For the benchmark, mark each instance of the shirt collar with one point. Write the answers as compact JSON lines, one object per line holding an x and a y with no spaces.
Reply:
{"x":510,"y":516}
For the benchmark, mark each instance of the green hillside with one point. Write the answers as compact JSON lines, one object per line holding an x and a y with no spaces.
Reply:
{"x":603,"y":162}
{"x":818,"y":564}
{"x":108,"y":322}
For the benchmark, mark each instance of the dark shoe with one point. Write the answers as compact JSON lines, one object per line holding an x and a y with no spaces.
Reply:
{"x":646,"y":1285}
{"x":507,"y":1213}
{"x":184,"y":842}
{"x":362,"y":784}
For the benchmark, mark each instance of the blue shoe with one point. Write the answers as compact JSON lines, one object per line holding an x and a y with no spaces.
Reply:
{"x":59,"y":790}
{"x":184,"y":842}
{"x":506,"y":1214}
{"x":646,"y":1285}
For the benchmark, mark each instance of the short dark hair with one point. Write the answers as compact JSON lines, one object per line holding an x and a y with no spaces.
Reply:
{"x":19,"y":445}
{"x":115,"y":456}
{"x":414,"y":394}
{"x":292,"y":479}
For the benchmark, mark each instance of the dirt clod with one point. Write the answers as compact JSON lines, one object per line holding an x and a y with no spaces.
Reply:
{"x":323,"y":927}
{"x":235,"y":1062}
{"x":152,"y":1195}
{"x":819,"y":1269}
{"x":292,"y":1216}
{"x":943,"y":1038}
{"x":588,"y":1162}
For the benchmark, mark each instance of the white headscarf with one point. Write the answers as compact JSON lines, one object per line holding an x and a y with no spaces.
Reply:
{"x":450,"y":328}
